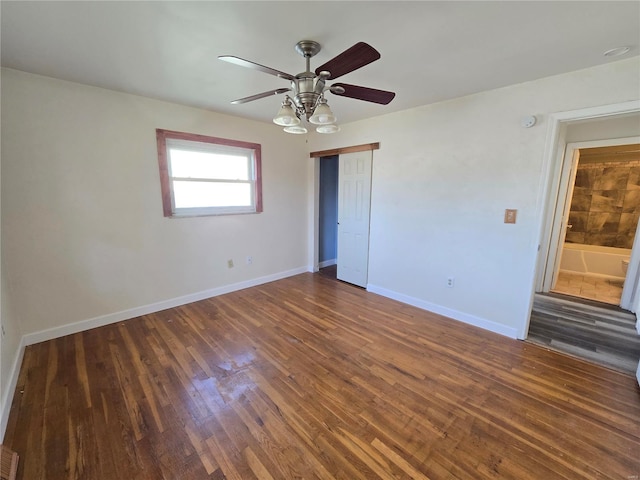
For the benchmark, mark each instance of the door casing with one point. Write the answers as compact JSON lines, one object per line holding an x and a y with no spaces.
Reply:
{"x":560,"y":217}
{"x":314,"y":196}
{"x":554,"y":150}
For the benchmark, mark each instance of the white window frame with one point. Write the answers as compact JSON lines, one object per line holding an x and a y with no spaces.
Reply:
{"x":201,"y":143}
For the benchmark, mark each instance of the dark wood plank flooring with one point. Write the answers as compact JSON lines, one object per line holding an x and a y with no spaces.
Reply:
{"x":310,"y":378}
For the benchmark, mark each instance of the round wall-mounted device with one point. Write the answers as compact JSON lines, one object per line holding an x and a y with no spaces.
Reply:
{"x":528,"y":121}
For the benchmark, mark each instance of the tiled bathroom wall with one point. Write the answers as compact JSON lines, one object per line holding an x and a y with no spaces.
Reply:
{"x":605,"y":204}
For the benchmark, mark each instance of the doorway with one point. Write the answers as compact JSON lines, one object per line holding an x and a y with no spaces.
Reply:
{"x":600,"y":222}
{"x":597,"y":331}
{"x":570,"y":132}
{"x":343,"y":226}
{"x":342,"y":213}
{"x":328,"y":214}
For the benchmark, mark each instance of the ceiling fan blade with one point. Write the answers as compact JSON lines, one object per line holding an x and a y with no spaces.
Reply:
{"x":367,"y":94}
{"x":351,"y":59}
{"x":257,"y":96}
{"x":255,"y":66}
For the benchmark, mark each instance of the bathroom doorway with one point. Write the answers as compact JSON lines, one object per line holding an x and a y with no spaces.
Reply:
{"x":593,"y":330}
{"x":569,"y":132}
{"x":603,"y":209}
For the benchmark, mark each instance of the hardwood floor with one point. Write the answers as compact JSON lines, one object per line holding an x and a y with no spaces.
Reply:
{"x":310,"y":378}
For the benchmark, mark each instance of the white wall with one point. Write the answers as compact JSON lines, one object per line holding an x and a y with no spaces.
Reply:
{"x":603,"y":128}
{"x":10,"y":350}
{"x":442,"y":179}
{"x":10,"y":346}
{"x":83,"y":235}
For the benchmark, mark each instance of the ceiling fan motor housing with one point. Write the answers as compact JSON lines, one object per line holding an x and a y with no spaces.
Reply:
{"x":307,"y":95}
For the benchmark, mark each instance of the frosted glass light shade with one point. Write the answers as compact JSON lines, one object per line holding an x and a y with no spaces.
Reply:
{"x":328,"y":129}
{"x":297,"y":129}
{"x":286,"y":116}
{"x":322,"y":115}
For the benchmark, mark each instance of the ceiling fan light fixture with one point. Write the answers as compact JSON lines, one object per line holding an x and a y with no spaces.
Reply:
{"x":328,"y":128}
{"x":296,"y":129}
{"x":322,"y":115}
{"x":286,"y":116}
{"x":307,"y":88}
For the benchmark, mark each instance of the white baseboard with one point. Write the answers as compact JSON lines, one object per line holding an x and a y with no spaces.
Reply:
{"x":10,"y":389}
{"x":71,"y":328}
{"x":327,"y":263}
{"x":445,"y":311}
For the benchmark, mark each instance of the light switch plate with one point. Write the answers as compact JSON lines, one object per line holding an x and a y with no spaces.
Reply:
{"x":510,"y":215}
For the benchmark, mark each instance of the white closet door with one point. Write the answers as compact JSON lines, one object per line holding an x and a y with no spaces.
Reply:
{"x":354,"y":203}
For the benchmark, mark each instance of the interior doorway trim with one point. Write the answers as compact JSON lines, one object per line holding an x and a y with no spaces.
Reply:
{"x":554,"y":148}
{"x":314,"y":224}
{"x":341,"y":151}
{"x":553,"y":163}
{"x":565,"y":194}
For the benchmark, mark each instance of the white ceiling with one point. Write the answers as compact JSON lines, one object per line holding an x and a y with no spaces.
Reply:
{"x":431,"y":51}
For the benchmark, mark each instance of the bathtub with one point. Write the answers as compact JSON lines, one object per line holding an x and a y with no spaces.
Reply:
{"x":594,"y":260}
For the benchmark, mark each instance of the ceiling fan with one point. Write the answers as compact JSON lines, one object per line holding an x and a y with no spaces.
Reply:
{"x":308,"y":88}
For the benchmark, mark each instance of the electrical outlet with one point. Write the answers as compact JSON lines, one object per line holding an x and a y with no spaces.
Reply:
{"x":249,"y":260}
{"x":450,"y":282}
{"x":230,"y":263}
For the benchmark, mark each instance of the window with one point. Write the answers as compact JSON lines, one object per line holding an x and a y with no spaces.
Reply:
{"x":202,"y":175}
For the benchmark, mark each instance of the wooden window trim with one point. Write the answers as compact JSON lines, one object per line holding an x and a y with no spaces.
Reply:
{"x":165,"y":186}
{"x":341,"y":151}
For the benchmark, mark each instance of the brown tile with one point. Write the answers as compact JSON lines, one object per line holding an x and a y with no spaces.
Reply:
{"x":612,"y":178}
{"x":601,"y":239}
{"x":633,"y":182}
{"x":605,"y":290}
{"x":574,"y":237}
{"x":602,"y":223}
{"x":624,"y":241}
{"x":581,"y":202}
{"x":575,"y":277}
{"x":568,"y":290}
{"x":628,"y":224}
{"x":607,"y":201}
{"x":586,"y":177}
{"x":631,"y":201}
{"x":578,"y":221}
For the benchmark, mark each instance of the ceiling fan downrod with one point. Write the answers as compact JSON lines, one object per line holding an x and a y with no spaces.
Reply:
{"x":307,"y":86}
